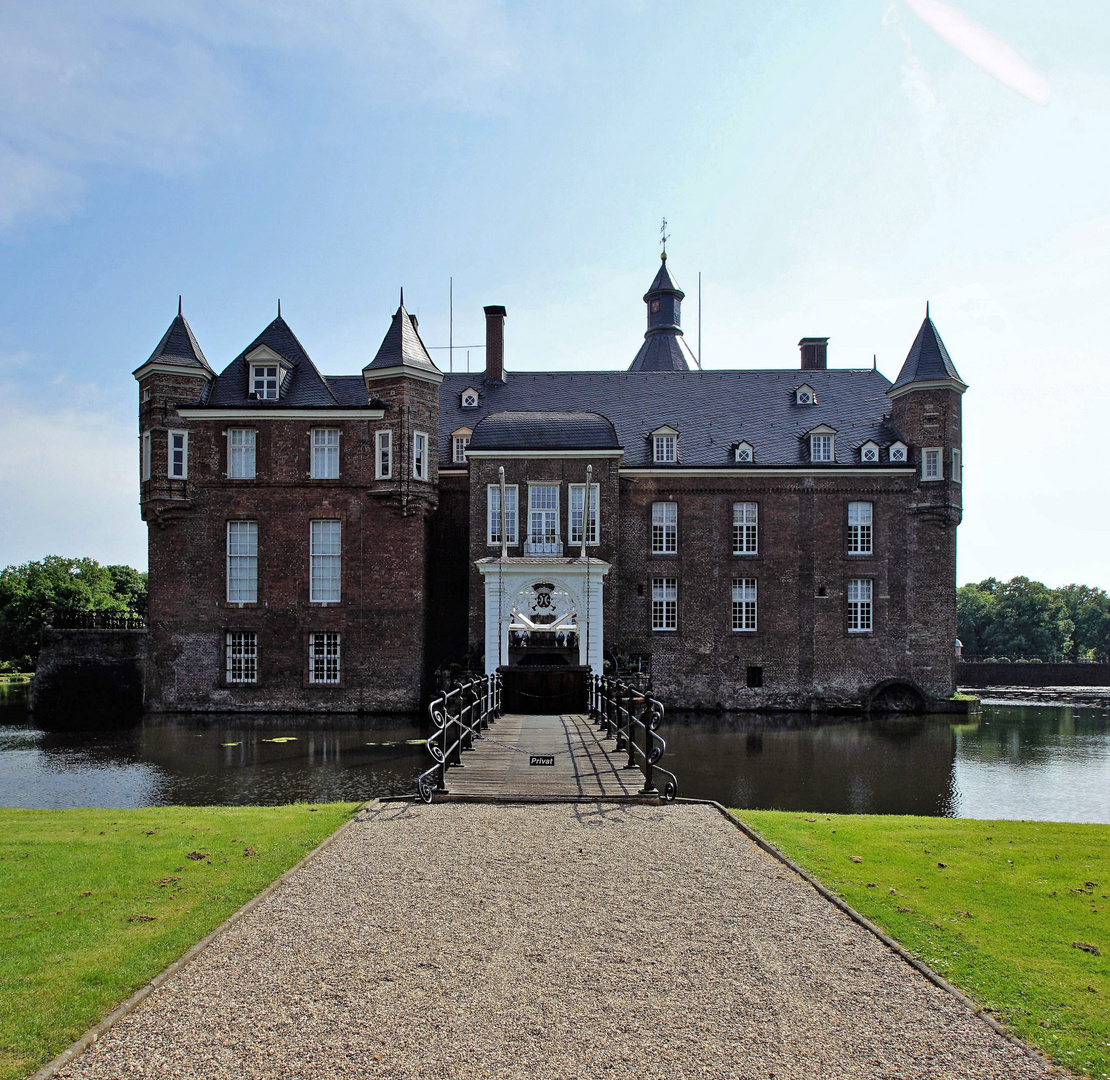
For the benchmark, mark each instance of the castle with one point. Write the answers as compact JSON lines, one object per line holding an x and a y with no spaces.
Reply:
{"x":754,"y":538}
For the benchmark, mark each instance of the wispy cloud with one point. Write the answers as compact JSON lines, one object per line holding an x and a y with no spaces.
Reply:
{"x":984,"y":49}
{"x":166,"y":87}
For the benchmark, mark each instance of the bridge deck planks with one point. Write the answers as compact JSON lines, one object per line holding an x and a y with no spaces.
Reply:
{"x":585,"y":766}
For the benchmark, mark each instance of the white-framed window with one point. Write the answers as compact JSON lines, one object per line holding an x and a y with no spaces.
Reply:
{"x":146,"y":394}
{"x":242,"y":562}
{"x":383,"y":455}
{"x":957,"y":473}
{"x":459,"y":443}
{"x":145,"y":462}
{"x":325,"y":559}
{"x":859,"y":606}
{"x":577,"y":500}
{"x":745,"y":528}
{"x":859,"y":528}
{"x":897,"y":452}
{"x":493,"y":513}
{"x":543,"y":519}
{"x":470,"y":398}
{"x":664,"y":528}
{"x":265,"y":381}
{"x":178,"y":447}
{"x":932,"y":463}
{"x":323,"y":658}
{"x":869,"y":453}
{"x":241,"y":458}
{"x":419,"y":456}
{"x":745,"y":453}
{"x":744,"y":604}
{"x":820,"y":448}
{"x":325,"y":453}
{"x":242,"y":656}
{"x":665,"y":448}
{"x":805,"y":395}
{"x":664,"y":603}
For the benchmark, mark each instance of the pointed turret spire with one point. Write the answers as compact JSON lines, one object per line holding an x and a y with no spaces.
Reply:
{"x":178,"y":347}
{"x":402,"y":348}
{"x":928,"y":360}
{"x":664,"y":348}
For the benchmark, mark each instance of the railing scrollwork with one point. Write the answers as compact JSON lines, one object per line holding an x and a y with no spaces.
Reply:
{"x":460,"y":716}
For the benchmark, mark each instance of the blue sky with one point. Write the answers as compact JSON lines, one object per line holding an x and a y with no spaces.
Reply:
{"x":827,"y":167}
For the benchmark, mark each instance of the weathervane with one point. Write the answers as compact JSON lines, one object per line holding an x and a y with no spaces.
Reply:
{"x":664,"y":236}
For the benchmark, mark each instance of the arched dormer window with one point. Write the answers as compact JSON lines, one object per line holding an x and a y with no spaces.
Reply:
{"x":745,"y":453}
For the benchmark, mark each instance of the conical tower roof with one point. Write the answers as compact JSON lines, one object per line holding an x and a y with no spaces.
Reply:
{"x":664,"y":348}
{"x":402,"y":348}
{"x":179,"y":348}
{"x":927,"y":360}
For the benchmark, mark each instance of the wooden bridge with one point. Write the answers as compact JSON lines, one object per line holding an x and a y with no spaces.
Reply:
{"x":610,"y":751}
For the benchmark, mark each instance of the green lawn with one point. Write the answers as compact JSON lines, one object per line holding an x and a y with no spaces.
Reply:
{"x":94,"y":903}
{"x":993,"y":906}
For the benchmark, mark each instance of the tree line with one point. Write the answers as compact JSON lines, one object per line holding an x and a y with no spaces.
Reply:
{"x":1022,"y":618}
{"x":33,"y":592}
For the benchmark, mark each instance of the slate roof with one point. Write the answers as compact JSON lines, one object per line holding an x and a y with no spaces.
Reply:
{"x":663,"y":281}
{"x":303,"y":386}
{"x":556,"y":430}
{"x":179,"y":347}
{"x":664,"y":350}
{"x":711,"y":410}
{"x":927,"y":360}
{"x":402,"y":346}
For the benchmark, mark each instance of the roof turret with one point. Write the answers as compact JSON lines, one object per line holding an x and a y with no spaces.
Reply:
{"x":664,"y":348}
{"x":178,"y":348}
{"x":927,"y":361}
{"x":402,"y":348}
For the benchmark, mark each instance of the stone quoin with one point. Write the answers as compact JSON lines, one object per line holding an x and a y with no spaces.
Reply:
{"x":756,"y":538}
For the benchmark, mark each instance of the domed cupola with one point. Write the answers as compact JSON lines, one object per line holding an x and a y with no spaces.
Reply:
{"x":664,"y":348}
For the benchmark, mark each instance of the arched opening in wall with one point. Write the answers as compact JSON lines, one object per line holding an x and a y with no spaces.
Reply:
{"x":543,"y":627}
{"x":895,"y":696}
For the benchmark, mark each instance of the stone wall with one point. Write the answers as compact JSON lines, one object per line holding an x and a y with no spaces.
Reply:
{"x":90,"y":675}
{"x":1019,"y":674}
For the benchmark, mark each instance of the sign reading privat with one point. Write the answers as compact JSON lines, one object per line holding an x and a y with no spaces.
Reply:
{"x":541,"y":759}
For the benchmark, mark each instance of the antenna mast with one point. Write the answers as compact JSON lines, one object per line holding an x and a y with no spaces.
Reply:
{"x":451,"y":324}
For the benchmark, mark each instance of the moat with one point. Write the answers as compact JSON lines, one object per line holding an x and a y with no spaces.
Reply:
{"x":1040,"y":763}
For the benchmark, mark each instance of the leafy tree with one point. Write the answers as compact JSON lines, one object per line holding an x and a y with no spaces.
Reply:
{"x":29,"y":593}
{"x":975,"y":615}
{"x":1089,"y":610}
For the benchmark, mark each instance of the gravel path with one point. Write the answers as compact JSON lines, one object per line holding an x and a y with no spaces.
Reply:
{"x":452,"y":941}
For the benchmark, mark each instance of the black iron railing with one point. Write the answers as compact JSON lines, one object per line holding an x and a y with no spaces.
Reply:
{"x":460,"y":716}
{"x":97,"y":620}
{"x":627,"y":714}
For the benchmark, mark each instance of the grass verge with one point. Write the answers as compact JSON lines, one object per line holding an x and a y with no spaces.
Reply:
{"x":996,"y":907}
{"x":94,"y":903}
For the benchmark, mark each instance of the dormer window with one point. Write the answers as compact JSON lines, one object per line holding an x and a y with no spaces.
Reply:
{"x":745,"y":453}
{"x":470,"y":398}
{"x":822,"y":446}
{"x":805,"y":395}
{"x":264,"y":381}
{"x":869,"y":453}
{"x":664,"y":442}
{"x":898,"y":453}
{"x":460,"y":440}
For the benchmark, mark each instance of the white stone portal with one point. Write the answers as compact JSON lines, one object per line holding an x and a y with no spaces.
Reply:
{"x":559,"y":595}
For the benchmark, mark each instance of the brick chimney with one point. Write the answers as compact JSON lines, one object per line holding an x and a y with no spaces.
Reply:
{"x":815,"y":353}
{"x":495,"y":343}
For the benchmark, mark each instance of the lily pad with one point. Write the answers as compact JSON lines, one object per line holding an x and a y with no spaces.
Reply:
{"x":282,"y":738}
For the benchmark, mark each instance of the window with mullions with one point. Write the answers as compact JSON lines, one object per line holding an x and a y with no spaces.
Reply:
{"x":665,"y":448}
{"x":859,"y":606}
{"x":323,"y":658}
{"x":543,"y":519}
{"x":744,"y":603}
{"x":493,"y":514}
{"x":264,"y":381}
{"x":325,"y":554}
{"x":460,"y":443}
{"x":820,"y":448}
{"x":420,"y":456}
{"x":664,"y":603}
{"x":242,"y":657}
{"x":664,"y":528}
{"x":241,"y":453}
{"x":859,"y":528}
{"x":577,"y":501}
{"x":242,"y":562}
{"x":931,"y":468}
{"x":745,"y":528}
{"x":325,"y":454}
{"x":178,"y":446}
